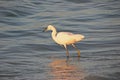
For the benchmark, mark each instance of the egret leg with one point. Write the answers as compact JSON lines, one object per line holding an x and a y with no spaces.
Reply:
{"x":67,"y":53}
{"x":78,"y":51}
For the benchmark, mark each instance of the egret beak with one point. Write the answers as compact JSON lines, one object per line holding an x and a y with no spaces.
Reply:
{"x":45,"y":29}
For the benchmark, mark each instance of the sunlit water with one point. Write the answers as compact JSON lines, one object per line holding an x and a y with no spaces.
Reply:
{"x":26,"y":53}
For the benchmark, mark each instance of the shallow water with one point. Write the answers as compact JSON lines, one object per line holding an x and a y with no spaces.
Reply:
{"x":26,"y":53}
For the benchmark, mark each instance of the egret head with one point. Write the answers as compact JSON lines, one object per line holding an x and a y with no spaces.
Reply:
{"x":50,"y":27}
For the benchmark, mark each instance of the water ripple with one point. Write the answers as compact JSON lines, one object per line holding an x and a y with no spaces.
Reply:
{"x":26,"y":52}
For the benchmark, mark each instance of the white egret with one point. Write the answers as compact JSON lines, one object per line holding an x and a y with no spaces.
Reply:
{"x":65,"y":38}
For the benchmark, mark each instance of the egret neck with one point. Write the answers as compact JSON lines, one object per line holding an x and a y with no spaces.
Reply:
{"x":54,"y":33}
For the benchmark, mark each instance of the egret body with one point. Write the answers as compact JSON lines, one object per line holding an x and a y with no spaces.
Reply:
{"x":65,"y":38}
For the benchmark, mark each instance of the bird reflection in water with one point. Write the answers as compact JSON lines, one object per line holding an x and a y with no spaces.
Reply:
{"x":62,"y":70}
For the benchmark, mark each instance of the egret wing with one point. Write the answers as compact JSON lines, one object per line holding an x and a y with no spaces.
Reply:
{"x":65,"y":38}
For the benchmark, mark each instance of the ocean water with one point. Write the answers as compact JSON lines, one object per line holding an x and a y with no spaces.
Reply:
{"x":27,"y":53}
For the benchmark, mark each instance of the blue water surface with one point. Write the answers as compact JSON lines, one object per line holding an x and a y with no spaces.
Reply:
{"x":27,"y":53}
